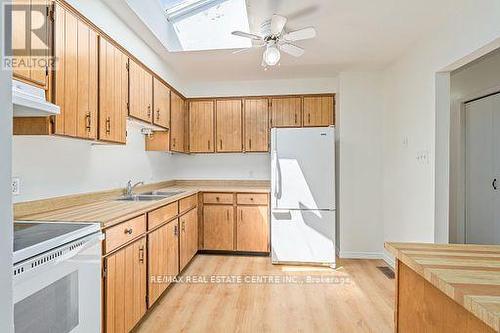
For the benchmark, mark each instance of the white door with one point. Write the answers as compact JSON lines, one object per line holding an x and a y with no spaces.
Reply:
{"x":483,"y":171}
{"x":303,"y":171}
{"x":303,"y":236}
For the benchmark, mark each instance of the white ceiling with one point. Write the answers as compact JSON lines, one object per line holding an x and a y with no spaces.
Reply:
{"x":351,"y":34}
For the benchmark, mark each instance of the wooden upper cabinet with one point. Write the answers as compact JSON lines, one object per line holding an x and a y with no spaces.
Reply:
{"x":286,"y":112}
{"x":163,"y":258}
{"x":229,"y":125}
{"x":201,"y":126}
{"x":218,"y":227}
{"x":161,"y":104}
{"x":32,"y":51}
{"x":125,"y":287}
{"x":319,"y":111}
{"x":256,"y":125}
{"x":76,"y":75}
{"x":178,"y":116}
{"x":189,"y":237}
{"x":113,"y":92}
{"x":141,"y":92}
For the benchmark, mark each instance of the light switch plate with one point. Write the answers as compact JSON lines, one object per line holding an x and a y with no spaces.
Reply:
{"x":16,"y":186}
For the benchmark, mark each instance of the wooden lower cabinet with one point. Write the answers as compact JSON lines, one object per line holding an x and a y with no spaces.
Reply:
{"x":236,"y":225}
{"x":252,"y":228}
{"x":125,"y":287}
{"x":218,"y":227}
{"x":188,"y":224}
{"x":163,"y":259}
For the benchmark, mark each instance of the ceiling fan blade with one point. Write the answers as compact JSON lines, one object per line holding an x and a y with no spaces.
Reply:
{"x":301,"y":34}
{"x":277,"y":24}
{"x":292,"y":49}
{"x":246,"y":35}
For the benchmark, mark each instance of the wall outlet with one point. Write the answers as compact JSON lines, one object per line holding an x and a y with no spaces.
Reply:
{"x":16,"y":186}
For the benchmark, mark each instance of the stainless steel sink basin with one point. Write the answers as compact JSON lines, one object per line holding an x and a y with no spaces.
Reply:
{"x":141,"y":198}
{"x":162,"y":193}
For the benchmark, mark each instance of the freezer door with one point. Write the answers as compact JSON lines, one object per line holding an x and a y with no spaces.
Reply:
{"x":305,"y":236}
{"x":303,"y":168}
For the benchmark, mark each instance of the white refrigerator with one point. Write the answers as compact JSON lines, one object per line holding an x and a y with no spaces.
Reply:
{"x":303,"y":195}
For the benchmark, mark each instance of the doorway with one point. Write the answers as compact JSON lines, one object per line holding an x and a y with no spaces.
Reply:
{"x":482,"y":170}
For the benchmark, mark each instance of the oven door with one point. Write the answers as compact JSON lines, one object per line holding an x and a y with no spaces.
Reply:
{"x":60,"y":290}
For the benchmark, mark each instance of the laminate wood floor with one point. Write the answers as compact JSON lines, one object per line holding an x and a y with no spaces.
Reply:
{"x":356,"y":297}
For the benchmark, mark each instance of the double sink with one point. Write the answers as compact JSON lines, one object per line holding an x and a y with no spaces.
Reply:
{"x":148,"y":196}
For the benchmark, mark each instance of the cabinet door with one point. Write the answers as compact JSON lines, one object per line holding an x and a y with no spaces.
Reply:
{"x":163,"y":258}
{"x":319,"y":111}
{"x":125,"y":287}
{"x":161,"y":104}
{"x":141,"y":88}
{"x":286,"y":112}
{"x":229,"y":126}
{"x":218,"y":227}
{"x":30,"y":51}
{"x":201,"y":126}
{"x":177,"y":123}
{"x":113,"y":92}
{"x":189,"y":237}
{"x":256,"y":125}
{"x":252,"y":228}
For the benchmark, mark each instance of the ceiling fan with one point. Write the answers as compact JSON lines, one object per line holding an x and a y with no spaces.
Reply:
{"x":275,"y":38}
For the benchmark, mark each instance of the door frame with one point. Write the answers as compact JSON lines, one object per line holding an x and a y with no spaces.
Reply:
{"x":460,"y":206}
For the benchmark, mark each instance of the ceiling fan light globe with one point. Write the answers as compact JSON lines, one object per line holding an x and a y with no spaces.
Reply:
{"x":271,"y":55}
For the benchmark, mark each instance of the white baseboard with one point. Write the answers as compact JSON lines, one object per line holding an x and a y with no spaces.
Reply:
{"x":360,"y":255}
{"x":389,"y":260}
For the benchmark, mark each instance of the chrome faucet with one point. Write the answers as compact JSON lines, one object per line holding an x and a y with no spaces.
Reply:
{"x":130,"y":187}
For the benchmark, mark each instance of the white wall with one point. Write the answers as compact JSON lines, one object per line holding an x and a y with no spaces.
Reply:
{"x":6,"y":230}
{"x":264,"y":87}
{"x":471,"y":81}
{"x":409,"y":186}
{"x":360,"y":131}
{"x":53,"y":166}
{"x":254,"y":166}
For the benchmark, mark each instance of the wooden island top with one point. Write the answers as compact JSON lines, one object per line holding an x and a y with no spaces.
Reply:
{"x":468,"y":274}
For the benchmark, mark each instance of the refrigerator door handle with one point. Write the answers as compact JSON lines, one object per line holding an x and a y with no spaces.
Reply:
{"x":275,"y":173}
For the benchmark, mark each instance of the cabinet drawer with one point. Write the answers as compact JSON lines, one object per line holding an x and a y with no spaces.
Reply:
{"x":161,"y":215}
{"x":218,"y":198}
{"x":124,"y":232}
{"x":188,"y":203}
{"x":252,"y":199}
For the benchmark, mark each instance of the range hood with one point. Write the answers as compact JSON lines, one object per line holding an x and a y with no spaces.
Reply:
{"x":30,"y":101}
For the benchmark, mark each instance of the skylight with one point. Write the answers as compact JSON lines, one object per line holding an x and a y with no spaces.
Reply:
{"x":207,"y":24}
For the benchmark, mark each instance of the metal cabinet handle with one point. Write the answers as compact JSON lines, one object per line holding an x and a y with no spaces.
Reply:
{"x":176,"y":232}
{"x":295,"y":118}
{"x":494,"y":184}
{"x":173,"y":142}
{"x":88,"y":121}
{"x":241,"y":214}
{"x":217,"y":198}
{"x":208,"y":144}
{"x":220,"y":143}
{"x":128,"y":231}
{"x":227,"y":214}
{"x":108,"y":125}
{"x":308,"y":118}
{"x":183,"y":226}
{"x":250,"y":143}
{"x":149,"y":110}
{"x":141,"y":254}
